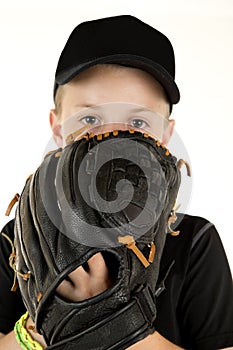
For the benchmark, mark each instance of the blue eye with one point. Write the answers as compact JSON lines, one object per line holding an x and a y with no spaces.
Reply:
{"x":138,"y":123}
{"x":89,"y":119}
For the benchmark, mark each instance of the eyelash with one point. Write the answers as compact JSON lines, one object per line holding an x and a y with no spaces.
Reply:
{"x":145,"y":124}
{"x":83,"y":120}
{"x":89,"y":116}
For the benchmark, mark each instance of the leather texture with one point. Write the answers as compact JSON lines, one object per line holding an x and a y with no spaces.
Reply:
{"x":64,"y":216}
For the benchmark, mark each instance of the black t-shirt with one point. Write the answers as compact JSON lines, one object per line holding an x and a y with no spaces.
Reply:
{"x":194,"y":294}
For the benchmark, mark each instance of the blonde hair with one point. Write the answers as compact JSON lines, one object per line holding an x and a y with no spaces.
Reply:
{"x":58,"y":100}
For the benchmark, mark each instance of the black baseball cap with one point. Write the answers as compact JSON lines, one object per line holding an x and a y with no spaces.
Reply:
{"x":124,"y":40}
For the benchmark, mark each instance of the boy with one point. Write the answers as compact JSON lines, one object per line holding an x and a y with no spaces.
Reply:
{"x":114,"y":60}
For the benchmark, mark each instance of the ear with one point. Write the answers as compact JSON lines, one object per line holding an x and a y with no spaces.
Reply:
{"x":55,"y":125}
{"x":169,"y":131}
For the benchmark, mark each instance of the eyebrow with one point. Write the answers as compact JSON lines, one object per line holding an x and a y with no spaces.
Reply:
{"x":135,"y":109}
{"x":84,"y":105}
{"x":142,"y":109}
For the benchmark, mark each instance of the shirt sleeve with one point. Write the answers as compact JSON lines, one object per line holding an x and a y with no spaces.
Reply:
{"x":11,"y":304}
{"x":206,"y":300}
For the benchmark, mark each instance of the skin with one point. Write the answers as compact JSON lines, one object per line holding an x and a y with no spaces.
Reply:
{"x":104,"y":84}
{"x":96,"y":86}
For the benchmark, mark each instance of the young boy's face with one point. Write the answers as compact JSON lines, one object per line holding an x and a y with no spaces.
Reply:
{"x":105,"y":96}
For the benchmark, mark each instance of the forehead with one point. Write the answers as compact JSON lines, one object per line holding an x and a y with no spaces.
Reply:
{"x":113,"y":83}
{"x":102,"y":75}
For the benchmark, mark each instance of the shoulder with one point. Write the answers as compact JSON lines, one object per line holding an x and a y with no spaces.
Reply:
{"x":198,"y":252}
{"x":199,"y":234}
{"x":200,"y":277}
{"x":193,"y":225}
{"x":191,"y":231}
{"x":8,"y":230}
{"x":194,"y":231}
{"x":198,"y":246}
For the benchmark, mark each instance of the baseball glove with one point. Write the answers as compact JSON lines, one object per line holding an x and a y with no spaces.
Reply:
{"x":111,"y":193}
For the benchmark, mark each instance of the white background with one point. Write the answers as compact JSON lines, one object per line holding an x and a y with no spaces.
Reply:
{"x":32,"y":35}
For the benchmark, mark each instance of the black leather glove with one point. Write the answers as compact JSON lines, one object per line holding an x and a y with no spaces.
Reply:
{"x":110,"y":193}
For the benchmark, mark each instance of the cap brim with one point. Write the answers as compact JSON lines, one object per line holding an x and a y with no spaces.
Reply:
{"x":156,"y":70}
